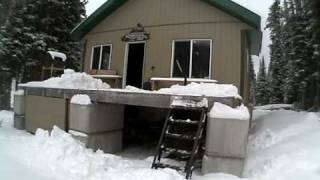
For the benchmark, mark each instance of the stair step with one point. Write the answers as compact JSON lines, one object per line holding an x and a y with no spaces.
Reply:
{"x":180,"y":136}
{"x":181,"y":121}
{"x":188,"y":108}
{"x":178,"y":152}
{"x":161,"y":165}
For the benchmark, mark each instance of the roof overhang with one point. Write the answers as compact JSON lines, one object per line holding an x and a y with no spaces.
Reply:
{"x":95,"y":18}
{"x":254,"y":38}
{"x":110,"y":6}
{"x":237,"y":11}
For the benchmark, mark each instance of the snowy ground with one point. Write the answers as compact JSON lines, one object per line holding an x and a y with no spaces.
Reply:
{"x":284,"y":145}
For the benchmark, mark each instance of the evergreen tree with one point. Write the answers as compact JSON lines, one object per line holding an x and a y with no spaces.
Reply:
{"x":35,"y":28}
{"x":313,"y":93}
{"x":301,"y":52}
{"x":262,"y":86}
{"x":277,"y":73}
{"x":288,"y":90}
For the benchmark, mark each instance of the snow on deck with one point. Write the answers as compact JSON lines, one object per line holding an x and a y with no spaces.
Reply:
{"x":81,"y":99}
{"x":83,"y":81}
{"x":222,"y":111}
{"x":70,"y":80}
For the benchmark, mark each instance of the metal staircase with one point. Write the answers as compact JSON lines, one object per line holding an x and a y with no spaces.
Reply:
{"x":182,"y":137}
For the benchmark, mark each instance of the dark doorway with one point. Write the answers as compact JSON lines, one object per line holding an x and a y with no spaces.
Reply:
{"x":135,"y":64}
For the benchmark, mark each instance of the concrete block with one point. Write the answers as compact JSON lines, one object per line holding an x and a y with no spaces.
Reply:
{"x":232,"y":166}
{"x":109,"y":142}
{"x":45,"y":112}
{"x":19,"y":104}
{"x":96,"y":118}
{"x":19,"y":122}
{"x":227,"y":137}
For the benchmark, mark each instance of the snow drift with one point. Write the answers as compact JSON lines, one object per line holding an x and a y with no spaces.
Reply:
{"x":284,"y":145}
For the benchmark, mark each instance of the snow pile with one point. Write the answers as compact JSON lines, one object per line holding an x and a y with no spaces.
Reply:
{"x":59,"y":152}
{"x":20,"y":92}
{"x":134,"y":89}
{"x":81,"y":99}
{"x":226,"y":112}
{"x":203,"y":89}
{"x":285,"y":145}
{"x":71,"y":80}
{"x":60,"y":55}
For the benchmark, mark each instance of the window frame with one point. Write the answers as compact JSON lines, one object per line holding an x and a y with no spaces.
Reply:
{"x":191,"y":58}
{"x":100,"y":56}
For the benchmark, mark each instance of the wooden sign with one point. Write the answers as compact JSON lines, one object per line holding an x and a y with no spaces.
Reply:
{"x":137,"y":34}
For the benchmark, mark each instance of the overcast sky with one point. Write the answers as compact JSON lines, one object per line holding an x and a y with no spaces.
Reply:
{"x":260,"y":7}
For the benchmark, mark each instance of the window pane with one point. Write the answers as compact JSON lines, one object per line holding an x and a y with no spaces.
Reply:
{"x":182,"y":54}
{"x":96,"y":57}
{"x":201,"y":59}
{"x":105,"y":61}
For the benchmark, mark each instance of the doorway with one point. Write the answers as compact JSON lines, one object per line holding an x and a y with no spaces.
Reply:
{"x":135,"y":62}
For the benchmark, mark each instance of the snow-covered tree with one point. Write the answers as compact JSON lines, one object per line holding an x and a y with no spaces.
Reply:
{"x":262,"y":85}
{"x":277,"y":72}
{"x":312,"y":12}
{"x":35,"y":28}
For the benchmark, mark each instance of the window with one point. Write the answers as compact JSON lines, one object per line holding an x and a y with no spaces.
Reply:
{"x":101,"y":57}
{"x":191,"y":58}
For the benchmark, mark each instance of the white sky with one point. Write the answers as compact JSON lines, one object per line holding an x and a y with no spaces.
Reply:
{"x":260,"y":7}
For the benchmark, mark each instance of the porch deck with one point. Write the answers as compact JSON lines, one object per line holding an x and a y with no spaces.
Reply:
{"x":125,"y":97}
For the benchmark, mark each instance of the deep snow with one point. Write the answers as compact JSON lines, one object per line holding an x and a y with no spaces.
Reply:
{"x":284,"y":145}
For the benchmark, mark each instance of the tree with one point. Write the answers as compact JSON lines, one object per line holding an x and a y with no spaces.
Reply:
{"x":276,"y":74}
{"x":262,"y":86}
{"x":35,"y":28}
{"x":313,"y":95}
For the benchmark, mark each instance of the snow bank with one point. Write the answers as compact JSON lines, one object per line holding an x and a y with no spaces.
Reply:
{"x":275,"y":107}
{"x":203,"y":89}
{"x":226,"y":112}
{"x":59,"y":152}
{"x":71,"y":80}
{"x":285,"y":145}
{"x":81,"y":99}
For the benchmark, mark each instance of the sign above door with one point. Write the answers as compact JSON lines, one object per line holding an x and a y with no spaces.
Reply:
{"x":137,"y":34}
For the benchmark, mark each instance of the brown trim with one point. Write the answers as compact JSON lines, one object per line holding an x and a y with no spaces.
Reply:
{"x":242,"y":76}
{"x":172,"y":24}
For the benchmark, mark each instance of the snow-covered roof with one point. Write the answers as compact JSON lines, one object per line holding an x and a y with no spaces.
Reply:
{"x":55,"y":54}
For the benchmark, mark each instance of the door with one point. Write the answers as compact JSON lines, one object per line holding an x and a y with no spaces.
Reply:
{"x":135,"y":61}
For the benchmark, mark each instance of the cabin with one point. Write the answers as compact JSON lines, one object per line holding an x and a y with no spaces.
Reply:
{"x":152,"y":44}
